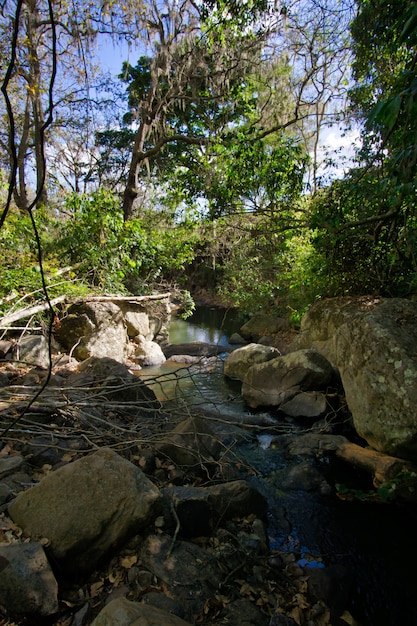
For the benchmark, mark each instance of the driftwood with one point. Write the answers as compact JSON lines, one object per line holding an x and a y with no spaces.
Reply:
{"x":158,"y":296}
{"x":7,"y":320}
{"x":23,"y":313}
{"x":382,"y":467}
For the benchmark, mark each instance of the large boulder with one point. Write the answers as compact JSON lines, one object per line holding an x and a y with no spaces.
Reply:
{"x":239,"y":361}
{"x":277,"y":381}
{"x":94,"y":329}
{"x":373,"y":343}
{"x":87,"y":508}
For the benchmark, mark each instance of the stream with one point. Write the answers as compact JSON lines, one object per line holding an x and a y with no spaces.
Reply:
{"x":374,"y":541}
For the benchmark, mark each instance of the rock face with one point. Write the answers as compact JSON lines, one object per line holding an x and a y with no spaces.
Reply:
{"x":94,"y":329}
{"x":239,"y":361}
{"x":86,"y":508}
{"x":104,"y":328}
{"x":276,"y":382}
{"x":373,"y":343}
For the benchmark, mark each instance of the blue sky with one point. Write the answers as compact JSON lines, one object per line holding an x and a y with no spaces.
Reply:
{"x":111,"y":56}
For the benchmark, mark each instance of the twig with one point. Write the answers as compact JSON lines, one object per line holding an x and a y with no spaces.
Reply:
{"x":177,"y":529}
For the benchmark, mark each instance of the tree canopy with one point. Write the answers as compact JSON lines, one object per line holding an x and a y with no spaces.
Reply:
{"x":202,"y":161}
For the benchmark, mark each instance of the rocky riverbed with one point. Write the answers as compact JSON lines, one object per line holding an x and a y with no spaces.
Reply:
{"x":118,"y":509}
{"x":113,"y":511}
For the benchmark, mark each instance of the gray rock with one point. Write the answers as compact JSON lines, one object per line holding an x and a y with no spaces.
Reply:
{"x":6,"y":493}
{"x":122,"y":612}
{"x":275,"y":382}
{"x":27,"y":584}
{"x":34,"y":349}
{"x":149,"y":353}
{"x":239,"y":361}
{"x":10,"y":464}
{"x":137,"y":323}
{"x":305,"y":477}
{"x":117,"y":383}
{"x":193,"y":509}
{"x":237,"y":498}
{"x":373,"y":343}
{"x":331,"y":585}
{"x":262,"y":324}
{"x":235,"y":340}
{"x":280,"y":619}
{"x":243,"y":612}
{"x":94,"y":329}
{"x":5,"y":347}
{"x":191,"y":444}
{"x":314,"y":444}
{"x":86,"y":508}
{"x":190,"y":574}
{"x":305,"y":404}
{"x":195,"y":348}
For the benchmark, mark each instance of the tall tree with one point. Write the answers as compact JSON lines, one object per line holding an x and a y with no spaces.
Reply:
{"x":370,"y":218}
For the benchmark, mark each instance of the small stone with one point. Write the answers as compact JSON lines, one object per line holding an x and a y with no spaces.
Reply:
{"x":10,"y":465}
{"x":27,"y":584}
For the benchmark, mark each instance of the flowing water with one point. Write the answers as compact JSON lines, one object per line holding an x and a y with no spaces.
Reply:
{"x":376,"y":542}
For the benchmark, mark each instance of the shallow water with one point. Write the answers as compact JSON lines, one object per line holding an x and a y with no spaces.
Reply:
{"x":376,"y":542}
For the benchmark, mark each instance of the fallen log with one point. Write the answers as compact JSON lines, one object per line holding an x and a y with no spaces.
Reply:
{"x":23,"y":313}
{"x":38,"y":308}
{"x":382,"y":467}
{"x":157,"y":296}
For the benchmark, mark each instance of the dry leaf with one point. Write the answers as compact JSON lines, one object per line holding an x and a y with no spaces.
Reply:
{"x":246,"y":590}
{"x":128,"y":561}
{"x":115,"y":578}
{"x":324,"y":619}
{"x":297,"y":615}
{"x":301,"y":601}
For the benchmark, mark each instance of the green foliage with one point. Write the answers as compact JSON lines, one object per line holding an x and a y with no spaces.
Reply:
{"x":19,"y":263}
{"x":91,"y":236}
{"x":118,"y":256}
{"x":362,"y":253}
{"x":187,"y":304}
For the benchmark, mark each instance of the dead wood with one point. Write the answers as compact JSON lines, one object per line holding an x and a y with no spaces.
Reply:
{"x":160,"y":296}
{"x":23,"y":313}
{"x":382,"y":467}
{"x":38,"y":308}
